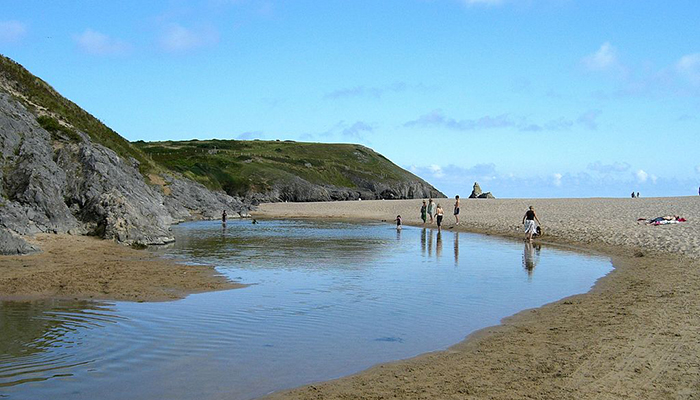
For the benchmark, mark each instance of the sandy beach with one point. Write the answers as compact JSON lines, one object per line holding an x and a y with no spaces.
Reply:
{"x":88,"y":268}
{"x":634,"y":335}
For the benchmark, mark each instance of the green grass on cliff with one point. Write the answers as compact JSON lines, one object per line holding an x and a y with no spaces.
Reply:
{"x":36,"y":92}
{"x":238,"y":166}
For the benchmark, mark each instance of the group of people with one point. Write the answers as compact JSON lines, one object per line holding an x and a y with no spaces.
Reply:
{"x":435,"y":212}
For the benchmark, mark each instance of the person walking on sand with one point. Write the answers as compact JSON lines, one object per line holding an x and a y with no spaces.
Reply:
{"x":431,"y":209}
{"x":529,"y":221}
{"x":423,"y":212}
{"x":456,"y":212}
{"x":438,"y":216}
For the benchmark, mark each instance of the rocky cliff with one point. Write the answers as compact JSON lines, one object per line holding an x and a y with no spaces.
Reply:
{"x":54,"y":177}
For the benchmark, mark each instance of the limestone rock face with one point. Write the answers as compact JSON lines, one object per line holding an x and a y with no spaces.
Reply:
{"x":78,"y":186}
{"x":11,"y":244}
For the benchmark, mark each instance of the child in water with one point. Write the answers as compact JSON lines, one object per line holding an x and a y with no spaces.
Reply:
{"x":398,"y":222}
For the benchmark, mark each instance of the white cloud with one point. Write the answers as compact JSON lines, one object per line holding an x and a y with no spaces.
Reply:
{"x":178,"y":39}
{"x":557,"y":179}
{"x":97,"y":43}
{"x":689,"y":67}
{"x":436,"y":170}
{"x":642,"y":176}
{"x":12,"y":31}
{"x":604,"y":58}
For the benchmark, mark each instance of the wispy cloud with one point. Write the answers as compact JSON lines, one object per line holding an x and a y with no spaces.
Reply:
{"x":589,"y":119}
{"x":176,"y":38}
{"x":356,"y":130}
{"x":436,"y":118}
{"x":689,"y":67}
{"x":604,"y":59}
{"x":12,"y":31}
{"x":97,"y":43}
{"x":609,"y":168}
{"x":250,"y":135}
{"x":482,"y":2}
{"x":367,"y":91}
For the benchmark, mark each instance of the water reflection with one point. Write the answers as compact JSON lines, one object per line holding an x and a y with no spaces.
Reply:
{"x":31,"y":332}
{"x":438,"y":245}
{"x":456,"y":247}
{"x":333,"y":243}
{"x":531,"y":256}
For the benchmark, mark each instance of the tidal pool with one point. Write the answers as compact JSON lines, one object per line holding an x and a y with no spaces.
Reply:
{"x":327,"y":299}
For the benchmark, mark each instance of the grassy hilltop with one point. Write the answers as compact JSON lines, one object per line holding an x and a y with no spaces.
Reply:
{"x":240,"y":167}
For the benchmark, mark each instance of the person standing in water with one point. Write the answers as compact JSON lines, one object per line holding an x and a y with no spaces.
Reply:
{"x":398,"y":222}
{"x":423,"y":212}
{"x":431,"y":209}
{"x":456,"y":211}
{"x":223,"y":217}
{"x":438,"y":216}
{"x":529,"y":221}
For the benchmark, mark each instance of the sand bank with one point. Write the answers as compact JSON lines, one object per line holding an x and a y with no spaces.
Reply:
{"x":635,"y":335}
{"x":89,"y":268}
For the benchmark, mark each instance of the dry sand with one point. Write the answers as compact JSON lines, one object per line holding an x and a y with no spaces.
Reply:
{"x":635,"y":335}
{"x":89,"y":268}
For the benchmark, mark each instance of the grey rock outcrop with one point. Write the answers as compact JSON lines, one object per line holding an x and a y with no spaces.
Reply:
{"x":78,"y":186}
{"x":299,"y":190}
{"x":11,"y":244}
{"x":478,"y":194}
{"x":476,"y":191}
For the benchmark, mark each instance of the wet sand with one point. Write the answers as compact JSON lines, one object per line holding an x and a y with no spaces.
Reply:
{"x":634,"y":335}
{"x":88,"y":268}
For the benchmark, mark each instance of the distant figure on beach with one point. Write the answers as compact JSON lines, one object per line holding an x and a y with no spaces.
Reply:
{"x":529,"y":221}
{"x":223,"y":217}
{"x":637,"y":194}
{"x":632,"y":194}
{"x":456,"y":212}
{"x":424,"y":212}
{"x":398,"y":222}
{"x":431,"y":209}
{"x":438,"y":216}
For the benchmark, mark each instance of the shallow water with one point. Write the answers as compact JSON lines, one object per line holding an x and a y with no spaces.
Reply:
{"x":327,"y":299}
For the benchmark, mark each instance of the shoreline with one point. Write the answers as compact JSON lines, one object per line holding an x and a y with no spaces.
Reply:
{"x":88,"y":268}
{"x":634,"y":334}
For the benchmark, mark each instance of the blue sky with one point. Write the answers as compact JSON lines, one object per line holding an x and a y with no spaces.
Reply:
{"x":531,"y":98}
